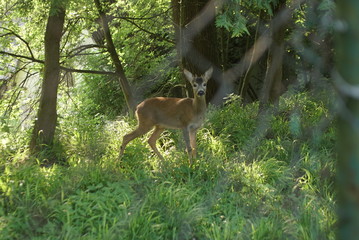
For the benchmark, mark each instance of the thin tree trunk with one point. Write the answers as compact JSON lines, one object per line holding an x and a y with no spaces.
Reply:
{"x":348,"y":124}
{"x":244,"y":86}
{"x":45,"y":124}
{"x":197,"y":44}
{"x":125,"y":86}
{"x":273,"y":86}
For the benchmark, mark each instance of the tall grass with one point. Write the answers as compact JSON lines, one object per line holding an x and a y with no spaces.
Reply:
{"x":257,"y":177}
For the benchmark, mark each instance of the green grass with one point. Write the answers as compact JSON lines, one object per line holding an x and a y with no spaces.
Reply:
{"x":256,"y":177}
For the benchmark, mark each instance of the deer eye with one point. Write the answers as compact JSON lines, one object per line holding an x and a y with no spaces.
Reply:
{"x":195,"y":85}
{"x":204,"y":84}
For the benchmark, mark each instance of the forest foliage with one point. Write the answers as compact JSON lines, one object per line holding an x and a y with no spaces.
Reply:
{"x":266,"y":165}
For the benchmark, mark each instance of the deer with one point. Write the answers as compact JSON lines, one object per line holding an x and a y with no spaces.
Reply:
{"x":163,"y":113}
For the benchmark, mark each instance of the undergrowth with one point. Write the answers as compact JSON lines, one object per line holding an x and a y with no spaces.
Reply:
{"x":257,"y":176}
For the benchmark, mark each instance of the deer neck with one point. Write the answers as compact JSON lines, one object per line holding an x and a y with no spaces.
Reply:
{"x":199,"y":104}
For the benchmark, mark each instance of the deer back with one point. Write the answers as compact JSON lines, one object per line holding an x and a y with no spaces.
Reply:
{"x":171,"y":113}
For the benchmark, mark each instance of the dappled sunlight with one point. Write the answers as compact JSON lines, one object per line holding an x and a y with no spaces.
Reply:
{"x":246,"y":146}
{"x":228,"y":192}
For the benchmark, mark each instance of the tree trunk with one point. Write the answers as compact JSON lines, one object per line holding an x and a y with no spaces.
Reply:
{"x":196,"y":38}
{"x":125,"y":86}
{"x":45,"y":124}
{"x":348,"y":124}
{"x":273,"y":86}
{"x":244,"y":88}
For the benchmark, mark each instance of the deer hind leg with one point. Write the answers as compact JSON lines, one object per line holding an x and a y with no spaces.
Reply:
{"x":139,"y":131}
{"x":152,"y":140}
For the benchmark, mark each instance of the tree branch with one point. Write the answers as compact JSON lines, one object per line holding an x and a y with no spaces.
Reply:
{"x":19,"y":37}
{"x":61,"y":67}
{"x":146,"y":31}
{"x":22,"y":56}
{"x":145,"y":18}
{"x":87,"y":71}
{"x":76,"y":51}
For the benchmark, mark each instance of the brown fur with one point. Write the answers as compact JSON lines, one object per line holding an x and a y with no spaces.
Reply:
{"x":172,"y":113}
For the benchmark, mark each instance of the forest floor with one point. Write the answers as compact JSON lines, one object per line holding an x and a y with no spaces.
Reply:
{"x":266,"y":176}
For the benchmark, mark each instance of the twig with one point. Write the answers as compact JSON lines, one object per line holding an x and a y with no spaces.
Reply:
{"x":144,"y":18}
{"x":76,"y":51}
{"x":14,"y":97}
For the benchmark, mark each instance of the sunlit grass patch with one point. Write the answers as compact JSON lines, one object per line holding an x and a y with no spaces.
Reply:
{"x":280,"y":187}
{"x":93,"y":212}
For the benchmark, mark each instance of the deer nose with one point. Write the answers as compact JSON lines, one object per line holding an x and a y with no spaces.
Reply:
{"x":200,"y":93}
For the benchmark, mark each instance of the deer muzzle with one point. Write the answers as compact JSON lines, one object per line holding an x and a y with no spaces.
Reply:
{"x":200,"y":93}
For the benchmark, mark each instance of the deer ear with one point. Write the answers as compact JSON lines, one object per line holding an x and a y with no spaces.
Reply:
{"x":188,"y":75}
{"x":208,"y":74}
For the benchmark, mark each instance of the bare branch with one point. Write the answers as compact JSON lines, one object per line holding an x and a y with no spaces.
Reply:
{"x":22,"y":56}
{"x":21,"y":39}
{"x":76,"y":51}
{"x":16,"y":94}
{"x":150,"y":33}
{"x":61,"y":67}
{"x":145,"y":18}
{"x":87,"y":71}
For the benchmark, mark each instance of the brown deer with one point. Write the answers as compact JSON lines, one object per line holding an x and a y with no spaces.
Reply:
{"x":172,"y":113}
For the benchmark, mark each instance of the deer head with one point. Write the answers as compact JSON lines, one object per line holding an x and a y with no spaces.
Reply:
{"x":199,"y":84}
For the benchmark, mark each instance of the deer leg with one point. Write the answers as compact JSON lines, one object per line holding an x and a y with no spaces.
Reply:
{"x":139,"y":131}
{"x":192,"y":138}
{"x":152,"y":141}
{"x":186,"y":137}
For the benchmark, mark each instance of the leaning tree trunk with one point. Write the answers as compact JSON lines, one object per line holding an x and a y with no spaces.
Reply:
{"x":196,"y":38}
{"x":125,"y":86}
{"x":348,"y":124}
{"x":273,"y":85}
{"x":45,"y":124}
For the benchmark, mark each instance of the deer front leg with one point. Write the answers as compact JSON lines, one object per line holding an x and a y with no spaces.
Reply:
{"x":192,"y":138}
{"x":186,"y":136}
